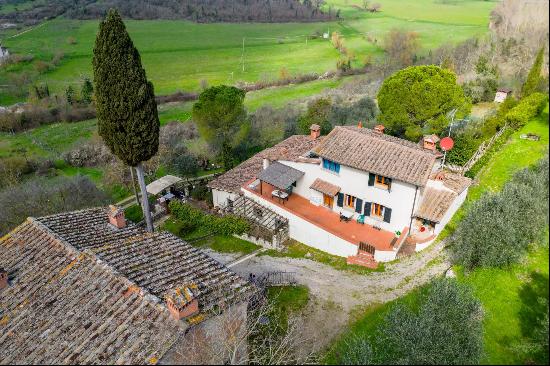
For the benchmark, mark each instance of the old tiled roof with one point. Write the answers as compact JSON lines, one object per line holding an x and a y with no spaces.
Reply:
{"x":368,"y":150}
{"x":280,"y":175}
{"x":65,"y":307}
{"x":292,"y":149}
{"x":86,"y":292}
{"x":435,"y":202}
{"x":157,"y":262}
{"x":454,"y":182}
{"x":325,"y":187}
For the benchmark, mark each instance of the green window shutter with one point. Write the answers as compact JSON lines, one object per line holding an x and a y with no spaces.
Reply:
{"x":371,"y":179}
{"x":387,"y":214}
{"x":367,"y":208}
{"x":358,"y":205}
{"x":340,"y":200}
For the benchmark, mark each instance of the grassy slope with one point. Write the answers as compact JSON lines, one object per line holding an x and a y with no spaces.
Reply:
{"x":178,"y":54}
{"x":501,"y":291}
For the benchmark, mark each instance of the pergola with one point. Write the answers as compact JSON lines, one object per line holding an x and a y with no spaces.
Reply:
{"x":161,"y":184}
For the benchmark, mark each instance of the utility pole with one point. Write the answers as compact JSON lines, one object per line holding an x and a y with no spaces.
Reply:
{"x":453,"y":112}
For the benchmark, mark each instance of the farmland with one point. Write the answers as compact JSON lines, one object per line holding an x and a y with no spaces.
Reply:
{"x":177,"y":55}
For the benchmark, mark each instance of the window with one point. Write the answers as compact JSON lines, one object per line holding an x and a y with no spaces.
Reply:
{"x":331,"y":165}
{"x":349,"y":201}
{"x":382,"y":181}
{"x":377,"y":210}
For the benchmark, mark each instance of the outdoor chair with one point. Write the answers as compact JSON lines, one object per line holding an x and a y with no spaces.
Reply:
{"x":361,"y":219}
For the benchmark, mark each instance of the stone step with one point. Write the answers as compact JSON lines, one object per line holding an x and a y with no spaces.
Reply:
{"x":363,"y":260}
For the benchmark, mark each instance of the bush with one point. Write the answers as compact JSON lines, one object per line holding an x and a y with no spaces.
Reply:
{"x":498,"y":228}
{"x":526,"y":109}
{"x":465,"y":146}
{"x":12,"y":168}
{"x":445,"y":328}
{"x":224,"y":225}
{"x":178,"y":227}
{"x":134,"y":213}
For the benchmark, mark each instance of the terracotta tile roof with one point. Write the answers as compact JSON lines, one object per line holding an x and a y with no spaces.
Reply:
{"x":325,"y":187}
{"x":368,"y":150}
{"x":435,"y":202}
{"x":453,"y":181}
{"x":292,"y":149}
{"x":65,"y":307}
{"x":157,"y":262}
{"x":86,"y":292}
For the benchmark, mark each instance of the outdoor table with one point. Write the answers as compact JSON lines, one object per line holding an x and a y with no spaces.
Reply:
{"x":169,"y":196}
{"x":280,"y":195}
{"x":346,"y":216}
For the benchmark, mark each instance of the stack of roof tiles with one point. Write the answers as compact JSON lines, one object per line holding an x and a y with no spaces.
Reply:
{"x":83,"y":291}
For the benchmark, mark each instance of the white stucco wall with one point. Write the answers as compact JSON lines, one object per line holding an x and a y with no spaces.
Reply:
{"x":219,"y":198}
{"x":355,"y":182}
{"x":459,"y":200}
{"x":308,"y":233}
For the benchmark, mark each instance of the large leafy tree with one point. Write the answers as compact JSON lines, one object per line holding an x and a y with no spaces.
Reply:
{"x":533,"y":78}
{"x":222,"y":120}
{"x":417,"y":100}
{"x":126,"y":108}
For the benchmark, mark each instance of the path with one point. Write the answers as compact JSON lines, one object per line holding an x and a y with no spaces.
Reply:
{"x":336,"y":294}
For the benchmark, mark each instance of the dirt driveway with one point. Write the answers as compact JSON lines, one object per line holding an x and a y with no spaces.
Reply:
{"x":336,"y":294}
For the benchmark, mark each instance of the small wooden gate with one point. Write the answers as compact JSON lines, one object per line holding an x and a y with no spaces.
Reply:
{"x":364,"y":247}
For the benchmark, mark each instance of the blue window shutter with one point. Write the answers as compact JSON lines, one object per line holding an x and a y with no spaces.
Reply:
{"x":325,"y":163}
{"x":389,"y":183}
{"x":358,"y":205}
{"x":337,"y":168}
{"x":340,"y":200}
{"x":371,"y":179}
{"x":387,"y":214}
{"x":367,"y":208}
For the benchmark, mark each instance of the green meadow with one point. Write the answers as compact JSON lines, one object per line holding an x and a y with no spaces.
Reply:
{"x":178,"y":55}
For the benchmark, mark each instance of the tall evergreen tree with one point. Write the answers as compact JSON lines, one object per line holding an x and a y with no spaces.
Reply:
{"x":87,"y":91}
{"x":126,"y":108}
{"x":533,"y":78}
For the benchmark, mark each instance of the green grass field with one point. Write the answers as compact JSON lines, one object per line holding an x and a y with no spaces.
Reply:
{"x":177,"y":55}
{"x":508,"y":295}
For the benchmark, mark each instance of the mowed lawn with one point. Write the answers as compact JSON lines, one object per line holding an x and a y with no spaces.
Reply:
{"x":177,"y":55}
{"x":509,"y":295}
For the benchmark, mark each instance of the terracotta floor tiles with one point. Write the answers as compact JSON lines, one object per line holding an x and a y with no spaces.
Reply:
{"x":330,"y":221}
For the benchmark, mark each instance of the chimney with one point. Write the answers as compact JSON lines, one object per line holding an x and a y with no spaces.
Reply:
{"x":181,"y":303}
{"x":429,"y":141}
{"x":379,"y":129}
{"x":116,"y":217}
{"x":3,"y":278}
{"x":315,"y":131}
{"x":360,"y":124}
{"x":265,"y":163}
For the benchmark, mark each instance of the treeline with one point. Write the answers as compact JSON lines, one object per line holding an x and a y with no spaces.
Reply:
{"x":203,"y":11}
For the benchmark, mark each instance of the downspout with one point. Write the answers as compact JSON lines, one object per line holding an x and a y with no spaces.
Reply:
{"x":412,"y":211}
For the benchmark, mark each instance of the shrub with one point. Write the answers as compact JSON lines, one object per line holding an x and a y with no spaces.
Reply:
{"x":224,"y":225}
{"x":498,"y":228}
{"x":12,"y":168}
{"x":527,"y":108}
{"x":134,"y":213}
{"x":199,"y":193}
{"x":465,"y":145}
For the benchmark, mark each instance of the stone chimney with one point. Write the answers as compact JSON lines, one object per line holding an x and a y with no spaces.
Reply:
{"x":315,"y":131}
{"x":379,"y":129}
{"x":116,"y":217}
{"x":182,"y":303}
{"x":3,"y":278}
{"x":429,"y":142}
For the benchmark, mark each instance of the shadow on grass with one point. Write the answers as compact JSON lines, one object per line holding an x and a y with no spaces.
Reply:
{"x":533,"y":315}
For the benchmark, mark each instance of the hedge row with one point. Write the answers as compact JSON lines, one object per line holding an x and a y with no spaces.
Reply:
{"x":526,"y":109}
{"x":193,"y":217}
{"x":517,"y":117}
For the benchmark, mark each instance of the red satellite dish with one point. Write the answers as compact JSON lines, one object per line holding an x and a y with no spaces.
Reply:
{"x":446,"y":143}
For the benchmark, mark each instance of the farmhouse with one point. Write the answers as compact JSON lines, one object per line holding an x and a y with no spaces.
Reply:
{"x":356,"y":193}
{"x":86,"y":287}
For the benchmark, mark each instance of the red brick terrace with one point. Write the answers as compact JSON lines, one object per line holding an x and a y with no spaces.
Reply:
{"x":328,"y":220}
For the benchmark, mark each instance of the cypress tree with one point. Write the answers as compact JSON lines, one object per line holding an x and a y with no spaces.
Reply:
{"x":533,"y":78}
{"x":125,"y":102}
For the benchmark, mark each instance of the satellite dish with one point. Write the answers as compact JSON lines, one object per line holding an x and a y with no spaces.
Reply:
{"x":446,"y":143}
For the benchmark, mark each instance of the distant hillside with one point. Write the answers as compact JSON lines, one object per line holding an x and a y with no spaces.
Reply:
{"x":204,"y":11}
